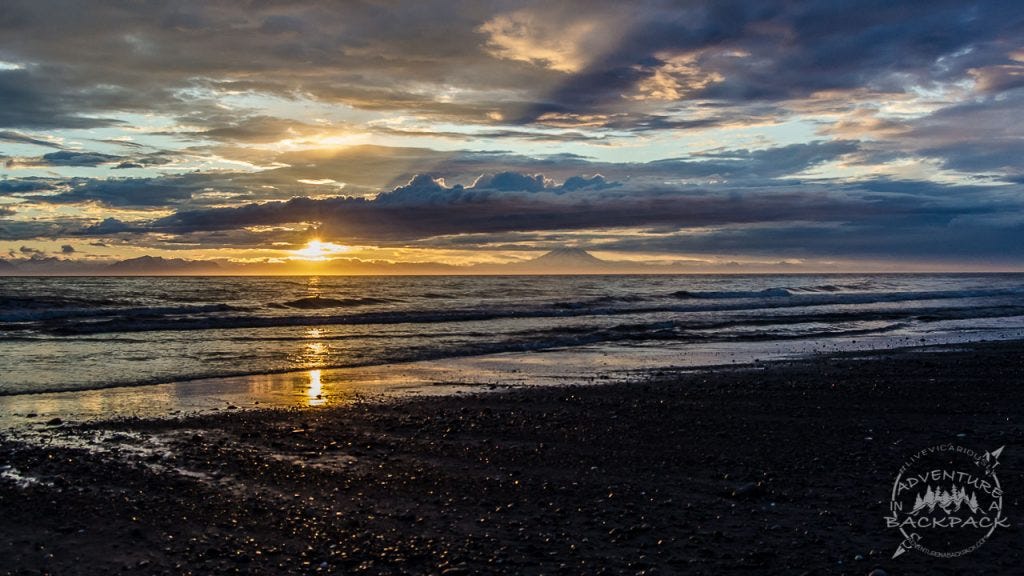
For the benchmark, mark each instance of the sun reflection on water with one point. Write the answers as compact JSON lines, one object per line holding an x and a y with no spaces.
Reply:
{"x":315,"y":391}
{"x":313,"y":285}
{"x":316,"y":350}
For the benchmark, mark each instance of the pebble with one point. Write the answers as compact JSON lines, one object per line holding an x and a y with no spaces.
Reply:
{"x":746,"y":490}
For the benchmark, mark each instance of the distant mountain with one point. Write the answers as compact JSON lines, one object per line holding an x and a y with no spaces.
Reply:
{"x":567,"y":258}
{"x":564,"y":260}
{"x":157,"y":265}
{"x":46,"y":265}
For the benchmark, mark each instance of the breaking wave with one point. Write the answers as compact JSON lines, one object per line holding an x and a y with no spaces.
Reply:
{"x":320,"y":302}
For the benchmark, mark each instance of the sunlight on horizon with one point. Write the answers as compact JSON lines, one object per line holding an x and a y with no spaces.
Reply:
{"x":318,"y":251}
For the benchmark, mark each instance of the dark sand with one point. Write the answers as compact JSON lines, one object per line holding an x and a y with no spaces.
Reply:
{"x":781,"y":469}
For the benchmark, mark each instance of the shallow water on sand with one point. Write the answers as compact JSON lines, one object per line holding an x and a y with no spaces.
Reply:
{"x":585,"y":365}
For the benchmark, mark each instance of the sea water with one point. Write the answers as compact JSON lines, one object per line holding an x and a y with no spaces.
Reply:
{"x":78,"y":333}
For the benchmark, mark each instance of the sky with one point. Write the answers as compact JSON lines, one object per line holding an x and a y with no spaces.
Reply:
{"x":709,"y":135}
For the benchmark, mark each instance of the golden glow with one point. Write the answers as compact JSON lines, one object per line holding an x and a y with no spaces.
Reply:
{"x":315,"y":390}
{"x":316,"y":351}
{"x":553,"y":43}
{"x":317,"y":141}
{"x":318,"y":251}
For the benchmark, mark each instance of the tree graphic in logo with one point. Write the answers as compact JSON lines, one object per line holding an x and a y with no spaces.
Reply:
{"x":947,"y":501}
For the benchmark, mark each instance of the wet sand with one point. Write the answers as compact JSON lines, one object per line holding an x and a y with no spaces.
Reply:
{"x":602,"y":363}
{"x":780,"y":468}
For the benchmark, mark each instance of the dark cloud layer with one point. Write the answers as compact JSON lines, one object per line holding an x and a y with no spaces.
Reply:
{"x":856,"y":220}
{"x":721,"y":201}
{"x":774,"y":50}
{"x":68,"y":158}
{"x":28,"y":99}
{"x":84,"y":60}
{"x":485,"y":173}
{"x":21,"y":138}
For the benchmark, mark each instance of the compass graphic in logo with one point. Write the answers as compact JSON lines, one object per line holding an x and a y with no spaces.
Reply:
{"x":947,"y":501}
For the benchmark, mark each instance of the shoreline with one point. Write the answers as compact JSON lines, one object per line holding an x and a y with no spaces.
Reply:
{"x":451,"y":375}
{"x":781,"y":467}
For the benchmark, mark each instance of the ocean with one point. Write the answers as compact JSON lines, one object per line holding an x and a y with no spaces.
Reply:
{"x":80,"y":333}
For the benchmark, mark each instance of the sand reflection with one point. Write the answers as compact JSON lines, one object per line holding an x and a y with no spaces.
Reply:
{"x":315,"y":390}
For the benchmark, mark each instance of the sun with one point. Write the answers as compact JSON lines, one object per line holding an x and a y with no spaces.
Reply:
{"x":316,"y":250}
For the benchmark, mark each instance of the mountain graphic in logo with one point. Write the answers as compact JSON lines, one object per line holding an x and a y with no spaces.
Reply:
{"x":948,"y":501}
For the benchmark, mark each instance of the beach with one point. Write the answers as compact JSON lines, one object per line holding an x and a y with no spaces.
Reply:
{"x":781,"y":467}
{"x":526,"y":288}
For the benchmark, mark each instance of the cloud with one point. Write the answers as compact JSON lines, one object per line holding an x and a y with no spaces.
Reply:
{"x":999,"y":78}
{"x":21,"y":138}
{"x":144,"y":193}
{"x":564,"y":41}
{"x":426,"y":208}
{"x":424,"y":190}
{"x":756,"y":164}
{"x":595,"y":182}
{"x":65,"y":158}
{"x":25,"y":185}
{"x":235,"y":113}
{"x":895,"y":239}
{"x":15,"y":230}
{"x":878,"y":218}
{"x":973,"y":137}
{"x":749,"y":197}
{"x":367,"y":169}
{"x":593,"y":64}
{"x":108,"y":227}
{"x":510,"y":181}
{"x":84,"y":63}
{"x":740,"y":53}
{"x":252,"y":129}
{"x":31,"y":99}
